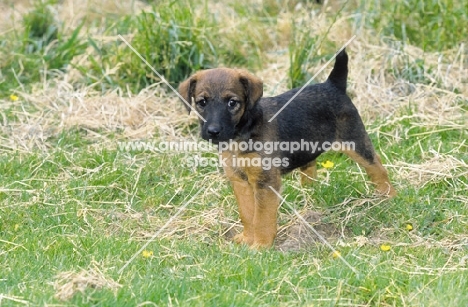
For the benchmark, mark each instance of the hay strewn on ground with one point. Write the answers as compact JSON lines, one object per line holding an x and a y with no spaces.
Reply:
{"x":67,"y":284}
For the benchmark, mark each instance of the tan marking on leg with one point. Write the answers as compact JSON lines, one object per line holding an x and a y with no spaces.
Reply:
{"x":376,"y":172}
{"x":258,"y":205}
{"x":309,"y":173}
{"x":265,"y":225}
{"x":266,"y":203}
{"x":245,"y":201}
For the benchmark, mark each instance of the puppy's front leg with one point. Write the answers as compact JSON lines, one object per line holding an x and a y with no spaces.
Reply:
{"x":246,"y":203}
{"x":266,"y":204}
{"x":258,"y":204}
{"x":266,"y":208}
{"x":244,"y":194}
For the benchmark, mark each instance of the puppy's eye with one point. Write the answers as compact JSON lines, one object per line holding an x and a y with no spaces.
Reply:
{"x":201,"y":103}
{"x":232,"y":103}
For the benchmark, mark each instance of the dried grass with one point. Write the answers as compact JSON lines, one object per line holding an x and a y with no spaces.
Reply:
{"x":73,"y":11}
{"x":15,"y":299}
{"x":67,"y":284}
{"x":151,"y":114}
{"x":441,"y":167}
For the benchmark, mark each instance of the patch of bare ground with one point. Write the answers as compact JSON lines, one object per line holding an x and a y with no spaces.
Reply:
{"x":296,"y":235}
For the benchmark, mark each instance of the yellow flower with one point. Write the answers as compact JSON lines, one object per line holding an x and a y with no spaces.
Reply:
{"x":13,"y":97}
{"x":147,"y":254}
{"x":17,"y":226}
{"x":385,"y":247}
{"x":336,"y":254}
{"x":409,"y":227}
{"x":328,"y":164}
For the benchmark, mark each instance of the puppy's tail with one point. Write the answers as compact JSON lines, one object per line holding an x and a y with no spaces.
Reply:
{"x":339,"y":74}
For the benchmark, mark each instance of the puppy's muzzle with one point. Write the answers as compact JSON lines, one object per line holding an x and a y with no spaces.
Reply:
{"x":213,"y":130}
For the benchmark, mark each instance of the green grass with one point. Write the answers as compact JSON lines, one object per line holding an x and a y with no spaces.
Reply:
{"x":73,"y":203}
{"x":420,"y":22}
{"x":171,"y":38}
{"x":37,"y":52}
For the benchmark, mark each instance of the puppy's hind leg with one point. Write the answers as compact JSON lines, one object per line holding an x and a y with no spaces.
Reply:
{"x":308,"y":173}
{"x":352,"y":133}
{"x":375,"y":170}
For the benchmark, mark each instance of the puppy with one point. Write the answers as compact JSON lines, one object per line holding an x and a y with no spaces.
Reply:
{"x":261,"y":138}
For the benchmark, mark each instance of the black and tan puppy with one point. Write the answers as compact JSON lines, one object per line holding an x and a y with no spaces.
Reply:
{"x":256,"y":150}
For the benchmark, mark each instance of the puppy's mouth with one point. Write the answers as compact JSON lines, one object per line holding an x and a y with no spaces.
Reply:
{"x":214,"y":139}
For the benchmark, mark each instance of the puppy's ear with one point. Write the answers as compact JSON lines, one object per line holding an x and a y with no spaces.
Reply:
{"x":253,"y":87}
{"x":186,"y":90}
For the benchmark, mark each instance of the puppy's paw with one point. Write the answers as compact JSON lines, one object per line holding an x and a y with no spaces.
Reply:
{"x":261,"y":246}
{"x":386,"y":190}
{"x":242,"y":239}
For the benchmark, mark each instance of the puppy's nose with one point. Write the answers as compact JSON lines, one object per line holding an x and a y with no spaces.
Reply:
{"x":214,"y":130}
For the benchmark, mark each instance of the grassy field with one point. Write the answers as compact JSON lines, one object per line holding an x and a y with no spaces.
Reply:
{"x":95,"y":212}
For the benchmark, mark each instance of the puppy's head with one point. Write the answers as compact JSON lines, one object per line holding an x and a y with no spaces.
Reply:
{"x":224,"y":98}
